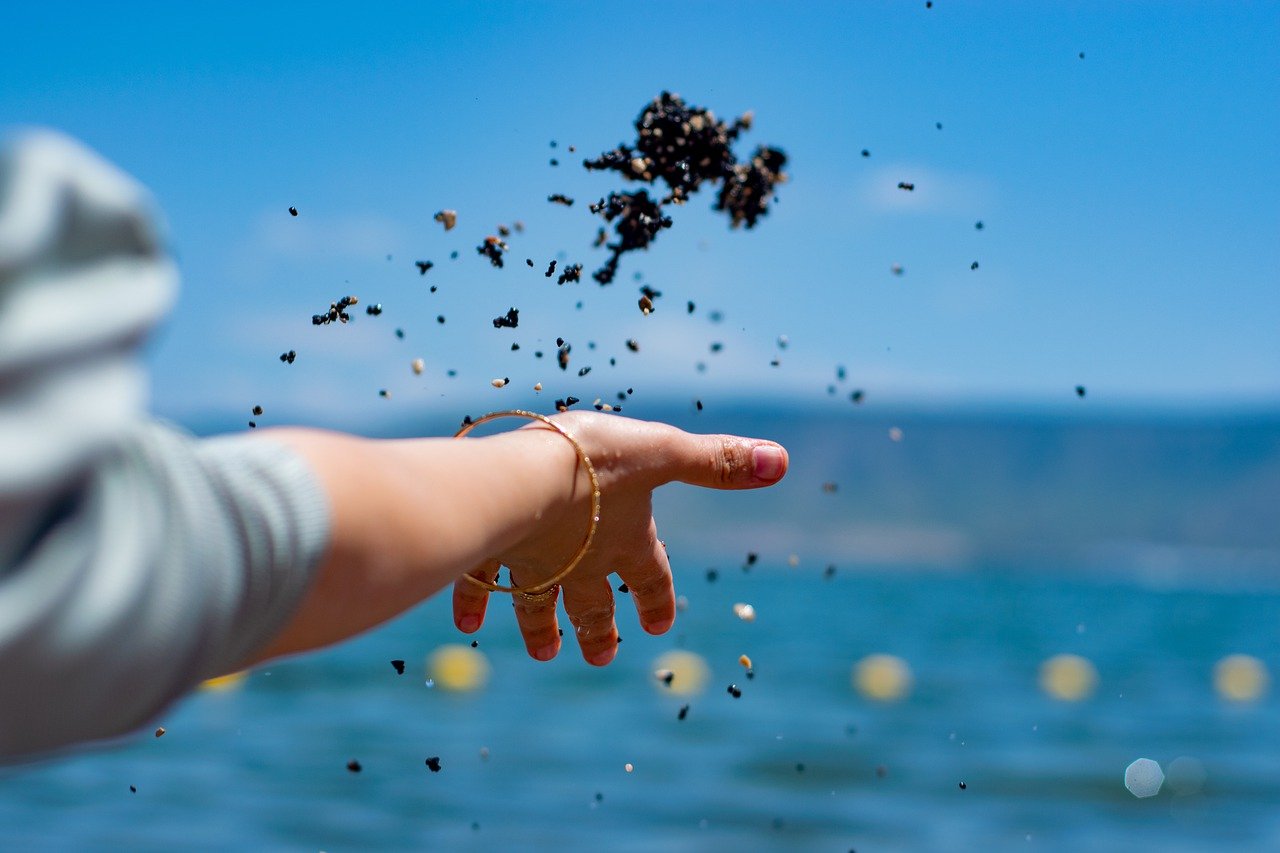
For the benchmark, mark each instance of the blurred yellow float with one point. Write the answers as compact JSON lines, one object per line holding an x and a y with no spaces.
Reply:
{"x":223,"y":683}
{"x":1068,"y":678}
{"x":458,"y":668}
{"x":884,"y":678}
{"x":681,"y":672}
{"x":1240,"y":678}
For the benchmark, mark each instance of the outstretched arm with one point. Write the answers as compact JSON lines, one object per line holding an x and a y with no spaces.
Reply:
{"x":410,"y":517}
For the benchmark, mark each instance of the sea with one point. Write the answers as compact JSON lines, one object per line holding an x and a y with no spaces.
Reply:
{"x":971,"y":549}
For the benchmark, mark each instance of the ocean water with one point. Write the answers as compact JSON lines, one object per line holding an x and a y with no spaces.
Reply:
{"x":973,"y":549}
{"x":800,"y":762}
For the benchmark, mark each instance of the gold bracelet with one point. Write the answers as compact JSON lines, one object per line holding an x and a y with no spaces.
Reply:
{"x":546,"y":590}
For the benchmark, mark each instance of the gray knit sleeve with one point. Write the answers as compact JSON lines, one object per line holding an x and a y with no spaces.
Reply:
{"x":135,"y":560}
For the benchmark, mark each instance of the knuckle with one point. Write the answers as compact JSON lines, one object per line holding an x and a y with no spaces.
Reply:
{"x":592,"y":621}
{"x":650,"y":585}
{"x":731,"y":460}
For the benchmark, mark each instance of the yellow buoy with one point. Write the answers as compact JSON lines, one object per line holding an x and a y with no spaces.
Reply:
{"x":1240,"y":678}
{"x":884,"y":678}
{"x":223,"y":683}
{"x":458,"y":668}
{"x":680,"y":672}
{"x":1068,"y":678}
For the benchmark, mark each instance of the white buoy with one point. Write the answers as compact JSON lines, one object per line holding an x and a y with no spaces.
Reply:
{"x":1143,"y":778}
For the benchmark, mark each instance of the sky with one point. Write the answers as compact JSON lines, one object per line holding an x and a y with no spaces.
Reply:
{"x":1131,"y":226}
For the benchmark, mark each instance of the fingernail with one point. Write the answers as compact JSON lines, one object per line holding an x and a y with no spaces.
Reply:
{"x":767,"y":460}
{"x":545,"y":653}
{"x":469,"y":623}
{"x":660,"y":627}
{"x":602,"y":658}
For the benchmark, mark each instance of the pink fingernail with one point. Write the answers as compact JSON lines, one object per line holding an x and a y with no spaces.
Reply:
{"x":545,"y":653}
{"x":658,"y":627}
{"x":469,"y":623}
{"x":767,"y":460}
{"x":602,"y":658}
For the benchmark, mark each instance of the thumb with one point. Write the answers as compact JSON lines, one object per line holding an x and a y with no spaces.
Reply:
{"x":726,"y":461}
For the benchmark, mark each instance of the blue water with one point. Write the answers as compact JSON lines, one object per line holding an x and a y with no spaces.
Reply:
{"x":264,"y":766}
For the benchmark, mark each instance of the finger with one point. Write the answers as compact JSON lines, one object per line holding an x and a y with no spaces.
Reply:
{"x":724,"y":461}
{"x":537,"y":620}
{"x":651,"y":589}
{"x":470,"y":600}
{"x":589,"y":604}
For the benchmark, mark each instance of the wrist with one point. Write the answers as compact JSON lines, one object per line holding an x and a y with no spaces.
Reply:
{"x":555,"y":501}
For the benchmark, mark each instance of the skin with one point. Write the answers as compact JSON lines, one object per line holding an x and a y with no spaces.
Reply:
{"x":410,"y":517}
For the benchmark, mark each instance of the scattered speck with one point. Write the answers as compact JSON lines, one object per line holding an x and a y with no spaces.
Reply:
{"x":433,"y":764}
{"x":293,"y":211}
{"x":160,"y":732}
{"x":399,"y":666}
{"x":354,"y":766}
{"x":448,"y":218}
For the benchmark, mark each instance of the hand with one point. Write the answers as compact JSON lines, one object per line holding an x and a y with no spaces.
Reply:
{"x":631,"y":459}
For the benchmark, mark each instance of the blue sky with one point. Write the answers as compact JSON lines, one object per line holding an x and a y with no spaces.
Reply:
{"x":1129,"y":198}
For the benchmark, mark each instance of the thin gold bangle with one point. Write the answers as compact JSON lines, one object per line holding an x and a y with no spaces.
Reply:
{"x":545,"y":586}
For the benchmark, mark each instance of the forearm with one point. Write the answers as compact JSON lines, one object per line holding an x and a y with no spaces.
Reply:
{"x":409,"y":517}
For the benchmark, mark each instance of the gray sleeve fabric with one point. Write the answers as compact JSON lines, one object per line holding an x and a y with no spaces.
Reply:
{"x":135,"y":560}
